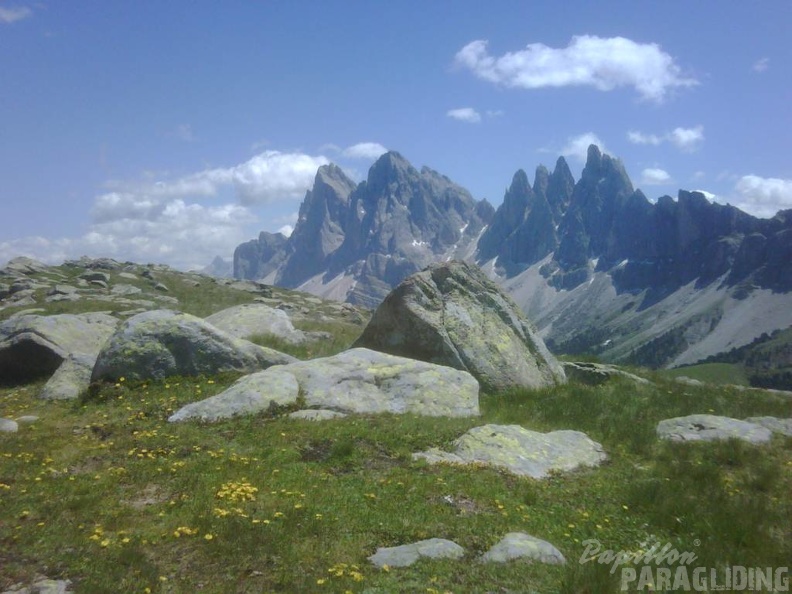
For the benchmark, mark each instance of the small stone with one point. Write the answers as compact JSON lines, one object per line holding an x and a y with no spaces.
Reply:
{"x":518,"y":545}
{"x":406,"y":555}
{"x":316,"y":415}
{"x":8,"y":426}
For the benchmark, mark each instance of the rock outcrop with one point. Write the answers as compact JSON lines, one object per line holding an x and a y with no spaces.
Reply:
{"x":452,"y":314}
{"x":523,"y":547}
{"x":62,"y":347}
{"x":355,"y":381}
{"x":161,"y":343}
{"x":520,"y":451}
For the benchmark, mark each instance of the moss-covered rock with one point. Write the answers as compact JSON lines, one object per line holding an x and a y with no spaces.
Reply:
{"x":452,"y":314}
{"x":520,"y":451}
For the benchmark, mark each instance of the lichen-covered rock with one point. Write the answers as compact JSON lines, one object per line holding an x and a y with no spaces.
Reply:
{"x":365,"y":381}
{"x":250,"y":395}
{"x":42,"y":585}
{"x":161,"y":343}
{"x":518,"y":545}
{"x":70,"y":379}
{"x":452,"y":314}
{"x":250,"y":319}
{"x":355,"y":381}
{"x":520,"y":451}
{"x":776,"y":425}
{"x":711,"y":428}
{"x":406,"y":555}
{"x":33,"y":346}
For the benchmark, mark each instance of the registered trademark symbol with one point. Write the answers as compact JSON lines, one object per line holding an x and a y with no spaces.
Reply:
{"x":696,"y":542}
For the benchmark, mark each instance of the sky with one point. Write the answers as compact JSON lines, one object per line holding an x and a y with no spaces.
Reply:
{"x":170,"y":132}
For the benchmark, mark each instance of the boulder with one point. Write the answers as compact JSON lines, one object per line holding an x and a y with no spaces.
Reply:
{"x":162,"y":343}
{"x":520,"y":451}
{"x":452,"y":314}
{"x":42,"y":585}
{"x":248,"y":320}
{"x":358,"y":381}
{"x":711,"y":428}
{"x":251,"y":394}
{"x":72,"y":377}
{"x":518,"y":545}
{"x":776,"y":425}
{"x":95,"y":276}
{"x":23,"y":265}
{"x":125,"y":289}
{"x":33,"y":346}
{"x":406,"y":555}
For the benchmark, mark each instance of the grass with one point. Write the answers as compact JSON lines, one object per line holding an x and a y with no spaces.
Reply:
{"x":108,"y":494}
{"x":711,"y":373}
{"x":341,"y":336}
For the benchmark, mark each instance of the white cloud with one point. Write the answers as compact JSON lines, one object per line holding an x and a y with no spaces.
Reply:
{"x":761,"y":65}
{"x":686,"y":139}
{"x":286,"y":230}
{"x":494,"y":113}
{"x":763,"y":196}
{"x":12,"y":14}
{"x":465,"y":114}
{"x":641,"y":138}
{"x":655,"y":177}
{"x":364,"y":150}
{"x":578,"y":146}
{"x":184,"y":132}
{"x":708,"y":195}
{"x":602,"y":63}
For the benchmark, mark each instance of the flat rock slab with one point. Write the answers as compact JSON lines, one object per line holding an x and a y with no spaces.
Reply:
{"x":251,"y":394}
{"x":452,"y":314}
{"x":70,"y":379}
{"x":406,"y":555}
{"x":162,"y":343}
{"x":595,"y":374}
{"x":776,"y":425}
{"x":356,"y":381}
{"x":518,"y":545}
{"x":520,"y":451}
{"x":711,"y":428}
{"x":8,"y":426}
{"x":320,"y":414}
{"x":250,"y":319}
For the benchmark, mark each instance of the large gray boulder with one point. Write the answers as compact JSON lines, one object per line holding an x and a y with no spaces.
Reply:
{"x":520,"y":451}
{"x":251,"y":319}
{"x":712,"y":428}
{"x":33,"y":347}
{"x":161,"y":343}
{"x":249,"y":395}
{"x":776,"y":425}
{"x":407,"y":554}
{"x":518,"y":545}
{"x":452,"y":314}
{"x":355,"y":381}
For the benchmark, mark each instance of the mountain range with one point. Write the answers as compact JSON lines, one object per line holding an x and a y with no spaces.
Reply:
{"x":596,"y":265}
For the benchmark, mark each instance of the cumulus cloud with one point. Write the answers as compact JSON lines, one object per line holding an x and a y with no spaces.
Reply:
{"x":761,"y":65}
{"x":11,"y":14}
{"x":286,"y":230}
{"x":577,"y":146}
{"x":763,"y":196}
{"x":364,"y":150}
{"x":686,"y":139}
{"x":464,"y":114}
{"x":602,"y":63}
{"x":655,"y":177}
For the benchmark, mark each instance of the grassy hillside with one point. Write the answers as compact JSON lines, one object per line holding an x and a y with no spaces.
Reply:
{"x":108,"y":494}
{"x":711,"y":373}
{"x":103,"y":491}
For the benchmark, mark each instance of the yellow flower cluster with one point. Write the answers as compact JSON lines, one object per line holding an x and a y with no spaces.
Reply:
{"x":185,"y":531}
{"x":237,"y":491}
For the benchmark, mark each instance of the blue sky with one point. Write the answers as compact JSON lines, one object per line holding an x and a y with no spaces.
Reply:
{"x":172,"y":131}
